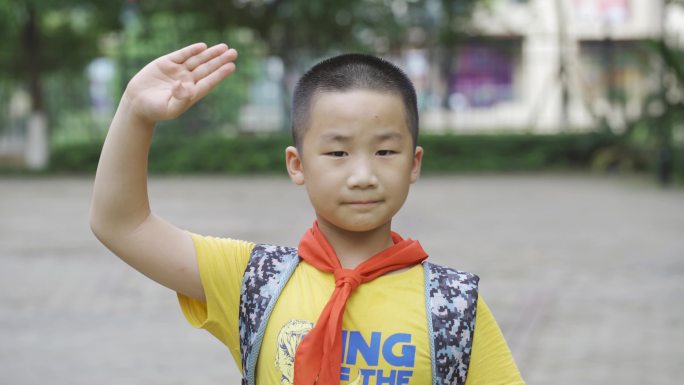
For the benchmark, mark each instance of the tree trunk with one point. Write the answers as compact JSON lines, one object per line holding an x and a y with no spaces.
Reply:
{"x":32,"y":49}
{"x":37,"y":138}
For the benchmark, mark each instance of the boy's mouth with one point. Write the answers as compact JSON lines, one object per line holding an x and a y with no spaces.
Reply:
{"x":363,"y":204}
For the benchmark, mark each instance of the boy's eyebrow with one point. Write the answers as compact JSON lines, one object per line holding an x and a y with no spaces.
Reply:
{"x":335,"y":137}
{"x":389,"y":136}
{"x":339,"y":137}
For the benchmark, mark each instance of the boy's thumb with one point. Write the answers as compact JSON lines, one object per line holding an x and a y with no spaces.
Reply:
{"x":180,"y":92}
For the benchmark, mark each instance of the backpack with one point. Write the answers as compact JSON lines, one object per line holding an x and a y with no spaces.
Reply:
{"x":450,"y":298}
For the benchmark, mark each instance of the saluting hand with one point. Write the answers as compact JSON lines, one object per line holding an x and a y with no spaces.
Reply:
{"x":169,"y":85}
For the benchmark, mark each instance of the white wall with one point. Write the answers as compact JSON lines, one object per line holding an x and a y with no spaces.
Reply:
{"x":537,"y":104}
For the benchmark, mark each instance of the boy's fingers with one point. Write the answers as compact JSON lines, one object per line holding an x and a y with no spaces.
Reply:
{"x":185,"y":53}
{"x":210,"y":81}
{"x":205,"y":56}
{"x":203,"y":70}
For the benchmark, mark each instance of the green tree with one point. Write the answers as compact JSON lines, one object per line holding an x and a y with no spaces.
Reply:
{"x":651,"y":134}
{"x":295,"y":29}
{"x":41,"y":37}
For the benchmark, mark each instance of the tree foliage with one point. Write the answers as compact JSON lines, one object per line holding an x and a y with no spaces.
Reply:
{"x":68,"y":32}
{"x":45,"y":36}
{"x":289,"y":26}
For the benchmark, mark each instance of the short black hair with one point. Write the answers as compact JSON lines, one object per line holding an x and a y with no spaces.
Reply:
{"x":351,"y":72}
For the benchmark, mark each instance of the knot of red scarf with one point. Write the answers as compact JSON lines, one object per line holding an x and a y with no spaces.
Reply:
{"x":348,"y":276}
{"x":319,"y":355}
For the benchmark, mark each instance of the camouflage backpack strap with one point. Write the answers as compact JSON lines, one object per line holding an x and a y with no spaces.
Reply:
{"x":451,"y":301}
{"x":267,"y":272}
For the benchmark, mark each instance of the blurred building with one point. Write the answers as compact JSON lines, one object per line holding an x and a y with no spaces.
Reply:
{"x":551,"y":65}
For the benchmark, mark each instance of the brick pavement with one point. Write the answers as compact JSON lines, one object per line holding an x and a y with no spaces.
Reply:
{"x":585,"y":275}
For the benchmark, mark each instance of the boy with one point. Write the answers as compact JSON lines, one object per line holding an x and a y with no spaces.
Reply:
{"x":351,"y":300}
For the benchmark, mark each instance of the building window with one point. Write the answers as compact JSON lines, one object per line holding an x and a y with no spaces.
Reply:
{"x":484,"y":74}
{"x":616,"y":71}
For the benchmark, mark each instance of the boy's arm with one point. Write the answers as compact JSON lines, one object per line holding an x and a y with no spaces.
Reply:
{"x":491,"y":361}
{"x":120,"y":214}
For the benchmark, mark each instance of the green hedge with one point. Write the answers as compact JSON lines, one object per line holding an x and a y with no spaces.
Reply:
{"x":512,"y":152}
{"x":443,"y":153}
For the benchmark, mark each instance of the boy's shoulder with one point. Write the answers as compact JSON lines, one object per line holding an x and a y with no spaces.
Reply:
{"x":271,"y":262}
{"x":268,"y":262}
{"x":275,"y":256}
{"x":444,"y":276}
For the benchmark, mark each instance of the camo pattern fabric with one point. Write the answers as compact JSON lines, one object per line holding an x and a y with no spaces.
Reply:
{"x":268,"y":270}
{"x":452,"y":302}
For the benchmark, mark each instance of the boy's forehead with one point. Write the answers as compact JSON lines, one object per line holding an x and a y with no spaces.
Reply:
{"x":332,"y":110}
{"x":334,"y":104}
{"x":352,"y":94}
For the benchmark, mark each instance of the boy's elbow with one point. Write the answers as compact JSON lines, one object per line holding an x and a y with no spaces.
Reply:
{"x":96,"y":225}
{"x":100,"y":226}
{"x":110,"y":229}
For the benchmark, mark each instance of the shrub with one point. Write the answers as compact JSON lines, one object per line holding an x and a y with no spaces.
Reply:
{"x":264,"y":155}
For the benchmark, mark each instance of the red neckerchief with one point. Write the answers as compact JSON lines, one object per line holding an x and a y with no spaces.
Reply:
{"x":319,"y":355}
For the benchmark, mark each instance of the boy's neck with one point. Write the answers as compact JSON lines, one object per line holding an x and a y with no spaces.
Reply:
{"x":354,"y":247}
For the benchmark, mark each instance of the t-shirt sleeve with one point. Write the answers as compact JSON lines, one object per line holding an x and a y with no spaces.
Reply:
{"x":222,"y":263}
{"x":491,"y":361}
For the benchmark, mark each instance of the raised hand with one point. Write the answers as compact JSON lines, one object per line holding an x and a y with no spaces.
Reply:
{"x":169,"y":85}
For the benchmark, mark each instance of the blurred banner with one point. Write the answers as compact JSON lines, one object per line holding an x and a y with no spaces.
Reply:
{"x":483,"y":76}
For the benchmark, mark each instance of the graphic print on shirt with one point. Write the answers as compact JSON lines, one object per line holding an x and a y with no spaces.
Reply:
{"x":375,"y":359}
{"x":288,"y":340}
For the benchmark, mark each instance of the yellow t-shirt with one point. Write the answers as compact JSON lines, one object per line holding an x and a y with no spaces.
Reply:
{"x":385,"y":337}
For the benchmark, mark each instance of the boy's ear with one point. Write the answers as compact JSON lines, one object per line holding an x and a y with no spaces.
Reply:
{"x":417,"y":161}
{"x":293,"y":161}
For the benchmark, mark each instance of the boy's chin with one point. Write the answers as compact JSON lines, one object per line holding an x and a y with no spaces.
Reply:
{"x":355,"y":226}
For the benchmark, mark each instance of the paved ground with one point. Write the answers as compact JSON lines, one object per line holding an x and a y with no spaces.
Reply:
{"x":585,"y":275}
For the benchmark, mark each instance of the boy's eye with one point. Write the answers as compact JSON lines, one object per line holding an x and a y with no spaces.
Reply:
{"x":385,"y":152}
{"x":336,"y":154}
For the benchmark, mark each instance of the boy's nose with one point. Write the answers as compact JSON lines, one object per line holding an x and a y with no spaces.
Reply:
{"x":362,"y":175}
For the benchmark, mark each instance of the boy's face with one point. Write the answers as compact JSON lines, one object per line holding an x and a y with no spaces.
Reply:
{"x":356,"y":159}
